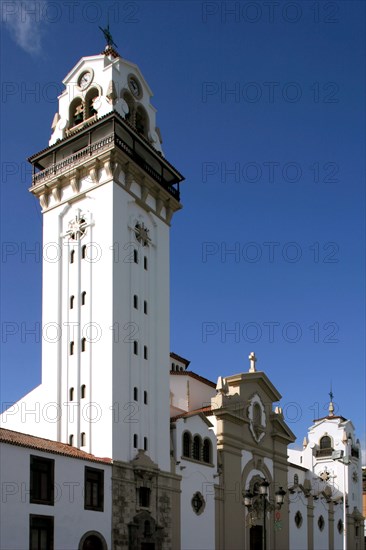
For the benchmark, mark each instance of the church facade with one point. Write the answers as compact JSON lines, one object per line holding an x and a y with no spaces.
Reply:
{"x":122,"y":446}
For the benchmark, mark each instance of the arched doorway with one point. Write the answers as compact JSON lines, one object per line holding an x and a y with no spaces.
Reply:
{"x":92,"y":541}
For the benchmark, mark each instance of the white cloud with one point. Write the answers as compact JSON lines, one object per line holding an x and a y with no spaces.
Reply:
{"x":24,"y":20}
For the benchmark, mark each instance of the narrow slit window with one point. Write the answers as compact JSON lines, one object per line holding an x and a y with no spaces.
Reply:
{"x":72,"y":345}
{"x":145,"y":307}
{"x":83,"y":391}
{"x":135,"y":347}
{"x":71,"y":394}
{"x":145,"y":352}
{"x":71,"y":440}
{"x":145,"y":397}
{"x":72,"y":298}
{"x":72,"y":256}
{"x":135,"y":256}
{"x":83,"y":251}
{"x":145,"y":263}
{"x":83,"y":298}
{"x":83,"y":439}
{"x":145,"y":443}
{"x":83,"y":344}
{"x":135,"y":301}
{"x":135,"y":441}
{"x":135,"y":394}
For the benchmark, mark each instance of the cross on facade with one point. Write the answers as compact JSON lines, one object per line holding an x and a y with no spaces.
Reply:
{"x":253,"y":361}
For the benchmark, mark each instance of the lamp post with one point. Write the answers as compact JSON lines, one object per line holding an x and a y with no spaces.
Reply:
{"x":262,"y":494}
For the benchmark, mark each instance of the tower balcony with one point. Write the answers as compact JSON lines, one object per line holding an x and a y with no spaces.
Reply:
{"x":97,"y":137}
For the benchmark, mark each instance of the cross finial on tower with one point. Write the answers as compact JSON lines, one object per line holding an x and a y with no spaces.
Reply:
{"x":331,"y":405}
{"x":253,"y":360}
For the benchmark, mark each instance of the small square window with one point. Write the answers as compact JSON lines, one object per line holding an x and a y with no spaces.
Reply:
{"x":94,"y":489}
{"x":41,"y":480}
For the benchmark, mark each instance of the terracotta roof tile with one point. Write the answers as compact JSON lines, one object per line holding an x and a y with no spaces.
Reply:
{"x":205,"y":410}
{"x":47,"y":445}
{"x":195,"y":376}
{"x":179,"y":358}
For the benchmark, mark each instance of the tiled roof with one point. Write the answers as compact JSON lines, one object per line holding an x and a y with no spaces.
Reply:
{"x":179,"y":358}
{"x":195,"y":376}
{"x":47,"y":445}
{"x":330,"y":417}
{"x":205,"y":410}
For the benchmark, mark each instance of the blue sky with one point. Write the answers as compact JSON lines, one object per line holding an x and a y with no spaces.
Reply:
{"x":261,"y":107}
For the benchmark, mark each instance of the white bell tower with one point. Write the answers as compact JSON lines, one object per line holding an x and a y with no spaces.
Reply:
{"x":107,"y":195}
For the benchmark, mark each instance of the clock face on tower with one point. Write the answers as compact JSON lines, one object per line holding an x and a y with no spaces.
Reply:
{"x":85,"y":79}
{"x":135,"y":87}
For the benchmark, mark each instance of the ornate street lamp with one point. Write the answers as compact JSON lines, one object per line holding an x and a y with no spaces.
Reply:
{"x":263,"y":495}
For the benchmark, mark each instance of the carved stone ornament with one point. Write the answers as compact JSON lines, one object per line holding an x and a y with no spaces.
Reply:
{"x":77,"y":227}
{"x":257,"y":418}
{"x":142,"y":234}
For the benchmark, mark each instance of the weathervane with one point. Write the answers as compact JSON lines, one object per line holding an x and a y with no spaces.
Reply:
{"x":108,"y":36}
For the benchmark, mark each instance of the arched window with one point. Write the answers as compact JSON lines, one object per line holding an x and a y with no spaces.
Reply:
{"x":207,"y":451}
{"x":147,"y":529}
{"x":196,"y":447}
{"x":89,"y":102}
{"x":76,"y":112}
{"x":71,"y":439}
{"x":187,"y":443}
{"x":71,"y":394}
{"x":83,"y":439}
{"x":83,"y":344}
{"x":325,"y":442}
{"x":83,"y":391}
{"x":296,"y":479}
{"x":131,"y":107}
{"x":142,"y":121}
{"x":72,"y":298}
{"x":92,"y":541}
{"x":83,"y":298}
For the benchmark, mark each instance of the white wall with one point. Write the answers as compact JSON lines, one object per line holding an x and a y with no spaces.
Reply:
{"x":71,"y":521}
{"x":197,"y":531}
